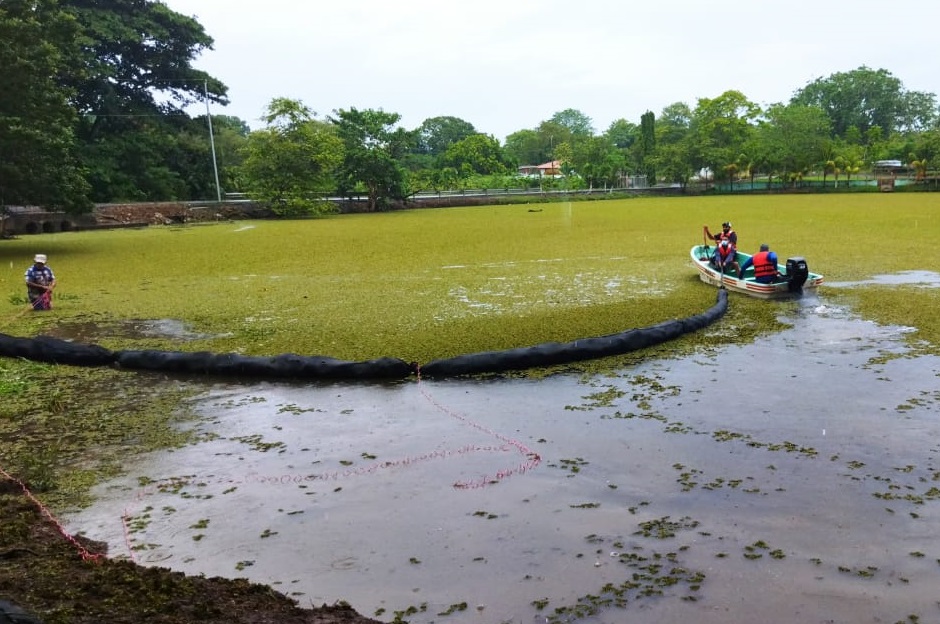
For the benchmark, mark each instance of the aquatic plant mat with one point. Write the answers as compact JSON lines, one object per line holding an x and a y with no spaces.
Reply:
{"x":779,"y":465}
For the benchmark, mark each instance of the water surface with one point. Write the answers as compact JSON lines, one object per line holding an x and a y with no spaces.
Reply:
{"x":790,"y":480}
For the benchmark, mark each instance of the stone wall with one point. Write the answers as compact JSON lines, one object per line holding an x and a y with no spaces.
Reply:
{"x":25,"y":221}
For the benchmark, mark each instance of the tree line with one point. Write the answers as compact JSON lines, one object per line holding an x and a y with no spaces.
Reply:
{"x":94,"y":94}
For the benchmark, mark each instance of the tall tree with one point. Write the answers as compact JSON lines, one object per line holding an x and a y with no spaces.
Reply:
{"x":599,"y":162}
{"x":292,"y":161}
{"x":373,"y":147}
{"x":37,"y":144}
{"x":436,"y":134}
{"x":133,"y":79}
{"x":793,"y":138}
{"x":524,"y":147}
{"x":552,"y":133}
{"x":231,"y":135}
{"x":575,"y":121}
{"x":865,"y":98}
{"x":646,"y":147}
{"x":622,"y":133}
{"x":674,"y":144}
{"x":720,"y":127}
{"x":476,"y":154}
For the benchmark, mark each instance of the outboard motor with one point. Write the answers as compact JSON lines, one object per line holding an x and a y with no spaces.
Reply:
{"x":797,"y":273}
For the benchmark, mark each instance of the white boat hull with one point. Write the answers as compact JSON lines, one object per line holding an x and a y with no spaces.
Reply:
{"x":781,"y":290}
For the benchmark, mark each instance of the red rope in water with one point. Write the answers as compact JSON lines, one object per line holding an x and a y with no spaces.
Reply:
{"x":84,"y":552}
{"x":531,"y":460}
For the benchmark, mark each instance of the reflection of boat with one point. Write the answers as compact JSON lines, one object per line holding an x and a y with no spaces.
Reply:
{"x":798,"y":277}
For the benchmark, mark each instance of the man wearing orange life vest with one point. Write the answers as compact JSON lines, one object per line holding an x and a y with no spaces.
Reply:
{"x":765,"y":266}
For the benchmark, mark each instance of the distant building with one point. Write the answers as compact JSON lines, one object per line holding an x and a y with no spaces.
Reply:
{"x":889,"y":166}
{"x":549,"y":169}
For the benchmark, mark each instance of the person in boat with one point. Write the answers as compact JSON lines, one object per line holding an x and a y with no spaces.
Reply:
{"x":725,"y":257}
{"x":727,"y":234}
{"x":765,"y":266}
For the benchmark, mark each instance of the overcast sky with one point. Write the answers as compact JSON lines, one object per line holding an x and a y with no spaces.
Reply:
{"x":507,"y":65}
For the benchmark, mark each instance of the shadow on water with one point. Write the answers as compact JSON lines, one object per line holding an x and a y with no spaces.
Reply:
{"x":790,"y":480}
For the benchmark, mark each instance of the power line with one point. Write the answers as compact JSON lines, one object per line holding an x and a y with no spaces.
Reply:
{"x":205,"y":92}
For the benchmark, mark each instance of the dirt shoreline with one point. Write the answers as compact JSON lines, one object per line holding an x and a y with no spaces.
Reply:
{"x":60,"y":581}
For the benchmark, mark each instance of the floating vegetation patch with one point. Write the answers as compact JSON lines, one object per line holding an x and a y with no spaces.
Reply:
{"x":868,"y":572}
{"x":786,"y":446}
{"x":242,"y":402}
{"x":687,"y":478}
{"x":931,"y":494}
{"x":665,"y":527}
{"x":296,"y":410}
{"x":256,"y":443}
{"x":759,"y":548}
{"x":645,"y":390}
{"x":571,"y":465}
{"x":650,"y":576}
{"x":485,"y":514}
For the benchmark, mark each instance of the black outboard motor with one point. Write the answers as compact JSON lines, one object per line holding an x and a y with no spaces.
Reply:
{"x":797,"y":273}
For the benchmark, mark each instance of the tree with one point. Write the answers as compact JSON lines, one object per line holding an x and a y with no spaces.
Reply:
{"x":674,"y":144}
{"x":231,"y":137}
{"x":926,"y":148}
{"x":601,"y":162}
{"x":852,"y":159}
{"x":436,"y":134}
{"x":478,"y":153}
{"x":793,"y":138}
{"x":646,"y":146}
{"x":622,"y":133}
{"x":865,"y":98}
{"x":524,"y":148}
{"x":292,"y":161}
{"x":720,"y":128}
{"x":37,"y":142}
{"x":576,"y":122}
{"x":920,"y":168}
{"x":130,"y":81}
{"x":372,"y":149}
{"x":552,"y":133}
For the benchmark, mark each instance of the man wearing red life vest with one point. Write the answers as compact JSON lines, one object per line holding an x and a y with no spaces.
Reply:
{"x":729,"y":235}
{"x":765,"y":266}
{"x":724,"y":257}
{"x":726,"y":233}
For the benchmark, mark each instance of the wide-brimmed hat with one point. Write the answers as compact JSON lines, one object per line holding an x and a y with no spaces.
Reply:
{"x":40,"y":258}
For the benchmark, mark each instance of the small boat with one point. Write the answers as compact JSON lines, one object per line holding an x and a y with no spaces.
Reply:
{"x":797,"y":276}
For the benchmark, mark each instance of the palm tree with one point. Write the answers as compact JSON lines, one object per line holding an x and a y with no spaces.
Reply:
{"x":919,"y":167}
{"x":828,"y":167}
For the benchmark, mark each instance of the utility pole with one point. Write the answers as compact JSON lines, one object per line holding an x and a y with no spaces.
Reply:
{"x":215,"y":164}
